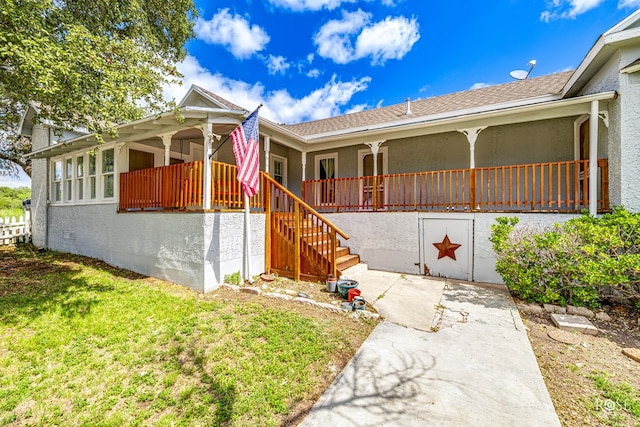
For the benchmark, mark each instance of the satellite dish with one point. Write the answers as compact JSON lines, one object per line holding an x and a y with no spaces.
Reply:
{"x":522,"y":74}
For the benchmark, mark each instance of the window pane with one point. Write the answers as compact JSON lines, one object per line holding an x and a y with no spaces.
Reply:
{"x":92,"y":187}
{"x":57,"y":191}
{"x":68,"y":189}
{"x":80,"y":189}
{"x":68,"y":168}
{"x":107,"y":161}
{"x":92,"y":164}
{"x":108,"y":186}
{"x":80,"y":167}
{"x":57,"y":170}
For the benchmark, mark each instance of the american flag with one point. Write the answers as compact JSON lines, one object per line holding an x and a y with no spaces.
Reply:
{"x":247,"y":152}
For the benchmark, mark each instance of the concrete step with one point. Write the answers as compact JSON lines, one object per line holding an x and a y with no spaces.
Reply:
{"x":354,"y":270}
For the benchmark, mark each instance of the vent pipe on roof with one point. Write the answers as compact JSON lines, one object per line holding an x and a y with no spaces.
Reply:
{"x":408,"y":112}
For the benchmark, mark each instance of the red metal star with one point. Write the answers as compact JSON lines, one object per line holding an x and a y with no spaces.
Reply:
{"x":446,"y":248}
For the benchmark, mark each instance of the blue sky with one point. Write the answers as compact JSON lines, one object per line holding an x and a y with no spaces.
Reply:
{"x":311,"y":59}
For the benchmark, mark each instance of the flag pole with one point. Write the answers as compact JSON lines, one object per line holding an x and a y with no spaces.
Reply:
{"x":247,"y":240}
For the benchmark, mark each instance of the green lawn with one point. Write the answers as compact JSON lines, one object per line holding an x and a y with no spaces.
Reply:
{"x":82,"y":343}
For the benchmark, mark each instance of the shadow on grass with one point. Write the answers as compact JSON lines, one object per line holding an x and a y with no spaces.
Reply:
{"x":223,"y":395}
{"x":35,"y":282}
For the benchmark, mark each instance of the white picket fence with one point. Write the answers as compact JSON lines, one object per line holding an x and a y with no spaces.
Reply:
{"x":15,"y":231}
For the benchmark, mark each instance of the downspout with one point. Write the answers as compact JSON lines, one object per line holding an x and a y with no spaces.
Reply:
{"x":48,"y":192}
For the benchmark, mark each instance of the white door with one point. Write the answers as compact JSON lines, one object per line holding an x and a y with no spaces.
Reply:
{"x":447,"y":247}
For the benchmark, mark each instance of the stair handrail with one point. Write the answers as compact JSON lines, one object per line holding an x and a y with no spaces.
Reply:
{"x":304,"y":204}
{"x":331,"y":267}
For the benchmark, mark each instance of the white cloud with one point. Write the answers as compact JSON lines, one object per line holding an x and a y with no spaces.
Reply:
{"x":628,"y":4}
{"x":233,"y":32}
{"x":302,"y":5}
{"x":480,"y":85}
{"x":277,"y":64}
{"x":391,"y":38}
{"x":569,"y":9}
{"x":279,"y":106}
{"x":313,"y":73}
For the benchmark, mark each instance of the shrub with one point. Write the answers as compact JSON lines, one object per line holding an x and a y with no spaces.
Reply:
{"x":581,"y":262}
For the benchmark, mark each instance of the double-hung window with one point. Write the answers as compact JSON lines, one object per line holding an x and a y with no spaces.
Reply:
{"x":92,"y":175}
{"x":57,"y":181}
{"x":80,"y":177}
{"x":107,"y":172}
{"x":68,"y":179}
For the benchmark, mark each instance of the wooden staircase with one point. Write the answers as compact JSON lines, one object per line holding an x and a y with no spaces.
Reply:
{"x":301,"y":243}
{"x":345,"y":259}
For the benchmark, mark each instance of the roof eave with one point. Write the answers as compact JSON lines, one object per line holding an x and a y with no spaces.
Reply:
{"x":602,"y":50}
{"x":436,"y":117}
{"x":534,"y":111}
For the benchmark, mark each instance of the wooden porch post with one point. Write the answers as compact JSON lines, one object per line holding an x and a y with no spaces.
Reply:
{"x":206,"y":187}
{"x":375,"y":149}
{"x":472,"y":137}
{"x":166,"y":141}
{"x":266,"y":188}
{"x":296,"y":243}
{"x":267,"y":150}
{"x":304,"y":165}
{"x":593,"y":158}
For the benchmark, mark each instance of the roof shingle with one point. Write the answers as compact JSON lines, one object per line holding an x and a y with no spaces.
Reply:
{"x":513,"y":91}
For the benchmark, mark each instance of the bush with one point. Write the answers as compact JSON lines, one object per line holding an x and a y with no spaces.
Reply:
{"x":582,"y":262}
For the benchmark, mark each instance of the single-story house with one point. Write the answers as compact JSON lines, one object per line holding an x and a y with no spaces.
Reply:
{"x":413,"y":187}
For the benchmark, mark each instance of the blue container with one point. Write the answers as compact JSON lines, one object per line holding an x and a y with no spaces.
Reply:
{"x":344,"y":285}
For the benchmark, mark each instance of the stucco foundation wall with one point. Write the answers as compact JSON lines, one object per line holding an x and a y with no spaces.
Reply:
{"x":384,"y":240}
{"x":391,"y":241}
{"x":191,"y":249}
{"x":224,"y":237}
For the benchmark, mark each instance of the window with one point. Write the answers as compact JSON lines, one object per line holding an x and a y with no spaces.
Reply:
{"x":68,"y":180}
{"x":57,"y":181}
{"x":107,"y":173}
{"x":84,"y":177}
{"x":278,"y":169}
{"x":326,"y":169}
{"x":140,"y":160}
{"x":92,"y":176}
{"x":80,"y":177}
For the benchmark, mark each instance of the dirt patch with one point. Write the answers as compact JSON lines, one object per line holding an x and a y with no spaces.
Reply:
{"x":568,"y":369}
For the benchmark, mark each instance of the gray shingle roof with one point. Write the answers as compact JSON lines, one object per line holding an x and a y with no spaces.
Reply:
{"x":513,"y":91}
{"x":224,"y":102}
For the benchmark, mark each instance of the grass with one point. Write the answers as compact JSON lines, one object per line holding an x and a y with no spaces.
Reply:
{"x":619,"y":402}
{"x":82,"y":343}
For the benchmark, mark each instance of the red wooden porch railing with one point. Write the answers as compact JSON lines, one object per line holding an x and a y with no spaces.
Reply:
{"x":541,"y":187}
{"x":181,"y":186}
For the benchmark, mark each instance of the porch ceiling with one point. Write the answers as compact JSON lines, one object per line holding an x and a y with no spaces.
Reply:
{"x":222,"y":122}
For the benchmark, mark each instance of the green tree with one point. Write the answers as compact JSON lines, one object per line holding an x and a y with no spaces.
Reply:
{"x":87,"y":64}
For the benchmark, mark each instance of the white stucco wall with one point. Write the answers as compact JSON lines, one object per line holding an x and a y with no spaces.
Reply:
{"x":224,"y":237}
{"x":391,"y":241}
{"x":193,"y":249}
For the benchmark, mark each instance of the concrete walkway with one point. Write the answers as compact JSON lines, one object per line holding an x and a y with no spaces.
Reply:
{"x":448,"y":354}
